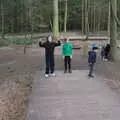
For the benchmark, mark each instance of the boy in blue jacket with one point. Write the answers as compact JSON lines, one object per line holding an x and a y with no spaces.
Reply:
{"x":92,"y":56}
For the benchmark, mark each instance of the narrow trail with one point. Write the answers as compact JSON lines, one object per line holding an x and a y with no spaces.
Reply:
{"x":72,"y":97}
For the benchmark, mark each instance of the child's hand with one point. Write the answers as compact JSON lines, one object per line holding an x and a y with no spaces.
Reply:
{"x":71,"y":57}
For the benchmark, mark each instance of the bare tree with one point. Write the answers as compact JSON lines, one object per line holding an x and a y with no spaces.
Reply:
{"x":86,"y":17}
{"x":109,"y":17}
{"x":55,"y":19}
{"x":82,"y":16}
{"x":94,"y":27}
{"x":65,"y":17}
{"x":2,"y":16}
{"x":113,"y":29}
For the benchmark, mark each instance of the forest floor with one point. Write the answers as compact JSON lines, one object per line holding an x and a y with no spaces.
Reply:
{"x":17,"y":74}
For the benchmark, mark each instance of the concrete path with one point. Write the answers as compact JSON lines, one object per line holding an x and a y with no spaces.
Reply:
{"x":72,"y":97}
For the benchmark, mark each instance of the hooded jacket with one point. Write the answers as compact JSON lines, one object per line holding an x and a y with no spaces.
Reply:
{"x":92,"y":57}
{"x":49,"y":47}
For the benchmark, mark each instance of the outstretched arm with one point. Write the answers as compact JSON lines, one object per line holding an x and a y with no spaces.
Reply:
{"x":63,"y":55}
{"x":57,"y":43}
{"x":41,"y":44}
{"x":72,"y":50}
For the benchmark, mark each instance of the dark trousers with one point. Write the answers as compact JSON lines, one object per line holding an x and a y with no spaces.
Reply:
{"x":49,"y":64}
{"x":67,"y":63}
{"x":106,"y":55}
{"x":91,"y":68}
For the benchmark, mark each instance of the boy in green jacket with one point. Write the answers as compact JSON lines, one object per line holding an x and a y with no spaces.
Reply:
{"x":67,"y":51}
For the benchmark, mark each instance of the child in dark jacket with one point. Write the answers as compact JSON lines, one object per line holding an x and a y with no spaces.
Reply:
{"x":92,"y":56}
{"x":103,"y":53}
{"x":107,"y":51}
{"x":49,"y":46}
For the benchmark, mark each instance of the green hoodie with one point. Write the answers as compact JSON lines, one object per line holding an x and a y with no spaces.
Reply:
{"x":67,"y":49}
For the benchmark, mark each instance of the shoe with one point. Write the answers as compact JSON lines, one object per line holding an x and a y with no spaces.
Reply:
{"x":65,"y":71}
{"x":106,"y":60}
{"x":46,"y":75}
{"x":53,"y":75}
{"x":90,"y":76}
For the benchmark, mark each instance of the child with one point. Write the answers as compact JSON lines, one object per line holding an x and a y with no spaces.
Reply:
{"x":103,"y":53}
{"x":92,"y":60}
{"x":49,"y":46}
{"x":107,"y":51}
{"x":67,"y":54}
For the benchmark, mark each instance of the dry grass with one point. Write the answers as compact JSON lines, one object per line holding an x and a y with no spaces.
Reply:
{"x":14,"y":94}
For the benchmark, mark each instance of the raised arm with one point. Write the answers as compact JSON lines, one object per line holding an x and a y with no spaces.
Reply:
{"x":41,"y":44}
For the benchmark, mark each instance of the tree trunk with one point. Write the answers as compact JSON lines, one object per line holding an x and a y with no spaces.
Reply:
{"x":15,"y":20}
{"x":12,"y":25}
{"x":55,"y":19}
{"x":99,"y":14}
{"x":82,"y":16}
{"x":94,"y":24}
{"x":85,"y":47}
{"x":113,"y":29}
{"x":2,"y":16}
{"x":30,"y":19}
{"x":65,"y":17}
{"x":109,"y":17}
{"x":50,"y":24}
{"x":86,"y":17}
